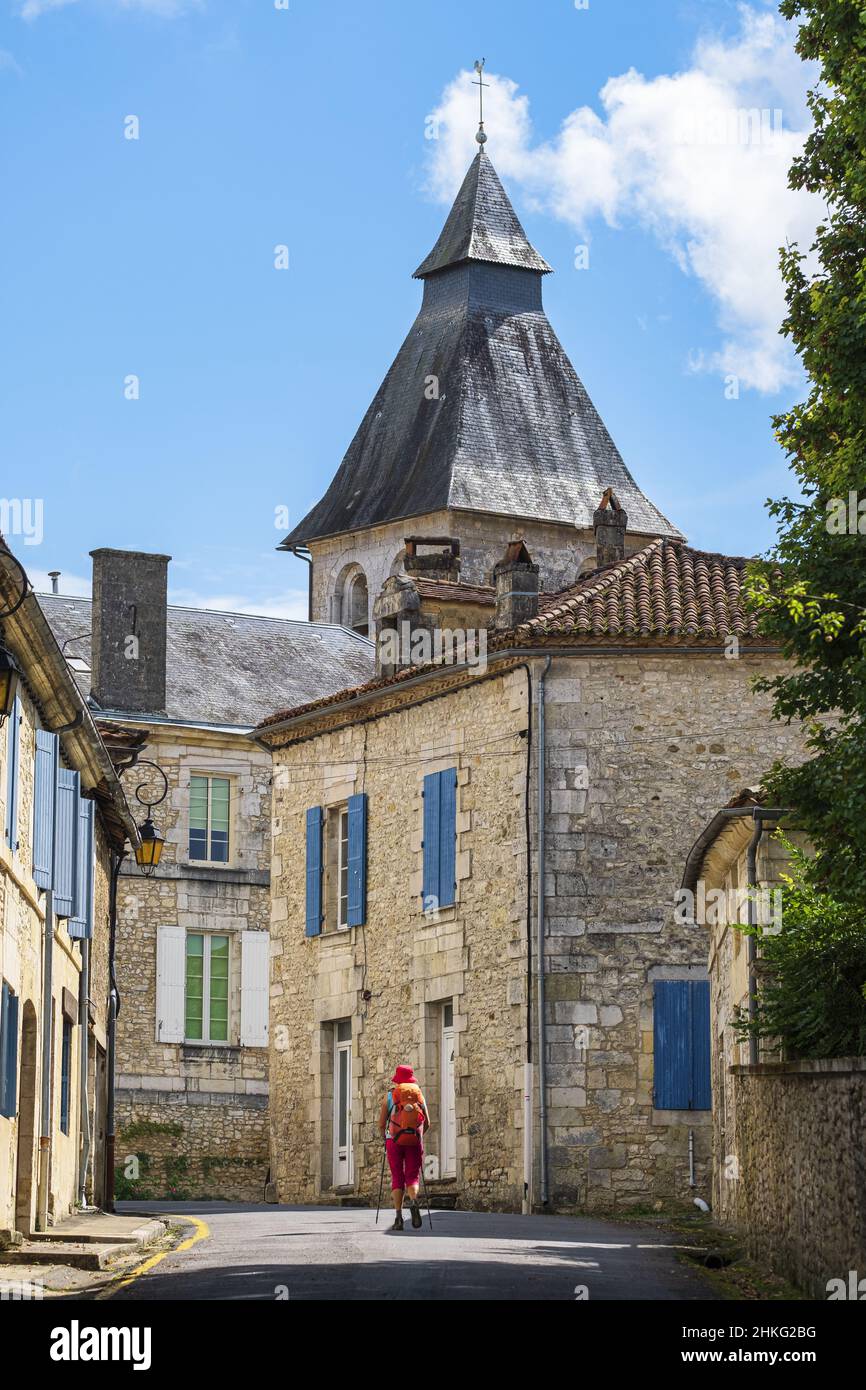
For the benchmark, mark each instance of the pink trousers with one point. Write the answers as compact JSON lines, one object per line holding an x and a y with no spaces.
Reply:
{"x":404,"y":1160}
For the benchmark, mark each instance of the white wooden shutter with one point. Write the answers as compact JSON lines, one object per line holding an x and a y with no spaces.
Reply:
{"x":255,"y":982}
{"x":170,"y":984}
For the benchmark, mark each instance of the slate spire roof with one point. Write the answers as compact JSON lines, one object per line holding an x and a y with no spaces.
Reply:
{"x":508,"y":427}
{"x":482,"y":226}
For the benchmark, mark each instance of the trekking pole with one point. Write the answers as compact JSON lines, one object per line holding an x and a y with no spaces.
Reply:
{"x":426,"y":1193}
{"x":381,"y":1185}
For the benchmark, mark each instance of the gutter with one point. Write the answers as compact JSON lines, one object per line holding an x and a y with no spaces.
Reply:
{"x":354,"y":701}
{"x":301,"y":552}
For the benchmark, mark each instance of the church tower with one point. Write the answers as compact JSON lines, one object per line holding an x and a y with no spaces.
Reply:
{"x":481,"y":430}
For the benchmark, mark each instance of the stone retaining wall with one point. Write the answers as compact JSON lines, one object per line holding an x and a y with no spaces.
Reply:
{"x":800,"y":1194}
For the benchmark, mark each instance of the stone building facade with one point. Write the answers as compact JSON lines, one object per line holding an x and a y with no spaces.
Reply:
{"x":646,"y":728}
{"x":192,"y":1053}
{"x":64,"y":817}
{"x":788,"y":1136}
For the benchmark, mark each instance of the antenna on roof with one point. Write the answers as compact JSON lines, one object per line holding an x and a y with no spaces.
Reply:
{"x":480,"y":84}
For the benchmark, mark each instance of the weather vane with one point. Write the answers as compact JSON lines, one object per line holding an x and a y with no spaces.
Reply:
{"x":480,"y":84}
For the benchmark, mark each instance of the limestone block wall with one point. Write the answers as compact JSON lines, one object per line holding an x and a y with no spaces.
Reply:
{"x":642,"y":751}
{"x":214,"y":1097}
{"x":471,"y":955}
{"x":559,"y":550}
{"x":800,"y":1200}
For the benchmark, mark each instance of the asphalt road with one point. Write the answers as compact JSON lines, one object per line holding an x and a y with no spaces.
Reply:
{"x":277,"y":1252}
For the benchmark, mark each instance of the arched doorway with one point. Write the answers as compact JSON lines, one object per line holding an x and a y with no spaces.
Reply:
{"x":25,"y":1162}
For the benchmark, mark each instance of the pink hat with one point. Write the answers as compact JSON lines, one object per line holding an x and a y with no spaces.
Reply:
{"x":404,"y":1076}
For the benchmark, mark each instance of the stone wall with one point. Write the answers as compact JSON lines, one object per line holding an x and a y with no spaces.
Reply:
{"x":800,"y":1199}
{"x":559,"y":550}
{"x":174,"y":1146}
{"x":471,"y":955}
{"x":215,"y":1094}
{"x":642,"y":749}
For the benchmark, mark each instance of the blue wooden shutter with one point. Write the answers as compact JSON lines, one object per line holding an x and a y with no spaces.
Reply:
{"x":448,"y":837}
{"x":357,"y":914}
{"x":682,"y":1045}
{"x":82,"y":923}
{"x":44,"y":791}
{"x":8,"y":1052}
{"x":702,"y":1097}
{"x":66,"y":843}
{"x":671,"y":1045}
{"x":13,"y":754}
{"x":432,"y":798}
{"x":440,"y":839}
{"x":314,"y":871}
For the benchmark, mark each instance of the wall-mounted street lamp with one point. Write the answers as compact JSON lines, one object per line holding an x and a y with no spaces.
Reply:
{"x":148,"y":853}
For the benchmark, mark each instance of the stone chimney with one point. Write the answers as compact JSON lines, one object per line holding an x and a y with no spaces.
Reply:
{"x":440,"y":561}
{"x":609,"y":524}
{"x":397,"y":616}
{"x":129,"y":616}
{"x":516,"y":581}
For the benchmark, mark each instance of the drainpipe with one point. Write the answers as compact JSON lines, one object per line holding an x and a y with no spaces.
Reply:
{"x":300,"y":552}
{"x":761,"y":815}
{"x":113,"y":1011}
{"x":540,"y":923}
{"x":84,"y":1024}
{"x":47,"y":1051}
{"x":528,"y":1087}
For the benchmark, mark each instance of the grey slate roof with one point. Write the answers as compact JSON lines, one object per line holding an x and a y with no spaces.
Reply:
{"x":482,"y":226}
{"x":231,"y":669}
{"x":513,"y":431}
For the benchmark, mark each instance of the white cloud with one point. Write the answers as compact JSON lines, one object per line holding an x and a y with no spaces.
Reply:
{"x":8,"y":63}
{"x":71,"y":585}
{"x":292,"y":603}
{"x":32,"y":9}
{"x":679,"y":156}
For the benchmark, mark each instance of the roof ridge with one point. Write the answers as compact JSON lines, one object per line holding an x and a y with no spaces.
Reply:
{"x":611,"y":574}
{"x":222,"y":613}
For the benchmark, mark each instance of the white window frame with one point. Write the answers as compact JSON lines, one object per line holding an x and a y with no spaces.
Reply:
{"x":206,"y":1040}
{"x":447,"y":1096}
{"x":342,"y":869}
{"x":343,"y":1157}
{"x":210,"y":777}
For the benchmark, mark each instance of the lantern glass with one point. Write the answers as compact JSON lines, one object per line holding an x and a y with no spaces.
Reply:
{"x":9,"y":677}
{"x":147,"y":855}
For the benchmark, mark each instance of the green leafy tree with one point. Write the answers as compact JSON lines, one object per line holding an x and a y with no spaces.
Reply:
{"x":811,"y":992}
{"x":811,"y":589}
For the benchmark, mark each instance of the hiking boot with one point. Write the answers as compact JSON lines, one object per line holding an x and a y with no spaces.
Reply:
{"x":416,"y":1215}
{"x":398,"y":1222}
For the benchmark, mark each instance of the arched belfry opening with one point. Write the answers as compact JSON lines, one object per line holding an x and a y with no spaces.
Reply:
{"x":356,"y":604}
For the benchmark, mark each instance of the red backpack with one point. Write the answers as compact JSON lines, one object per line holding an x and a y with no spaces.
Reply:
{"x":406,"y":1116}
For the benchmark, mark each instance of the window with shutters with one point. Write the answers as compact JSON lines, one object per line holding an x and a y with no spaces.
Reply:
{"x":336,"y":868}
{"x":65,"y":1074}
{"x":681,"y":1045}
{"x":8,"y":1051}
{"x":209,"y":819}
{"x":207,"y":987}
{"x":337,"y":865}
{"x":440,"y":840}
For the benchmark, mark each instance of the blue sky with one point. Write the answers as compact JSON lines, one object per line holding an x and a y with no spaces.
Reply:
{"x":306,"y":127}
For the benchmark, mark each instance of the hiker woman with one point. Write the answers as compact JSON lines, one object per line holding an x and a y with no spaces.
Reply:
{"x":402,"y":1121}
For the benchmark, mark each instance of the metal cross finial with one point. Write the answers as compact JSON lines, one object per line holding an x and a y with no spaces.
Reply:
{"x":480,"y":84}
